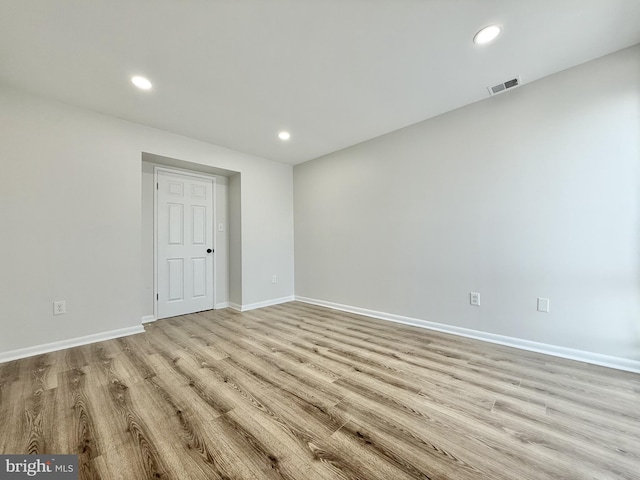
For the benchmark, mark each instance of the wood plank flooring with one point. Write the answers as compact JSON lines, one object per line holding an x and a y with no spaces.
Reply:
{"x":297,"y":391}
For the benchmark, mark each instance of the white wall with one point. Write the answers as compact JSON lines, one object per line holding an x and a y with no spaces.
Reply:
{"x":71,"y":219}
{"x":531,"y":193}
{"x":147,"y":245}
{"x":235,"y":239}
{"x":265,"y":232}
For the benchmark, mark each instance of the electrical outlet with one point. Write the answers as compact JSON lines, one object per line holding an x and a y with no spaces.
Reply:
{"x":274,"y":279}
{"x":543,"y":305}
{"x":474,"y":299}
{"x":59,"y":307}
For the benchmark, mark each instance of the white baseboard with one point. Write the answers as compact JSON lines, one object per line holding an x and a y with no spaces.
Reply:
{"x":222,"y":305}
{"x":74,"y":342}
{"x":618,"y":363}
{"x":149,"y":318}
{"x":266,"y":303}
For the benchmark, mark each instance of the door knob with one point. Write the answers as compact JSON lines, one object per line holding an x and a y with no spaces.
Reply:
{"x":209,"y":250}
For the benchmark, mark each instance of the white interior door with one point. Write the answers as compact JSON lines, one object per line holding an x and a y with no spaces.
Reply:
{"x":184,"y":244}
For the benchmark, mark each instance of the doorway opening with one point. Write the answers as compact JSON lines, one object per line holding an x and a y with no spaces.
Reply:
{"x":185,"y":242}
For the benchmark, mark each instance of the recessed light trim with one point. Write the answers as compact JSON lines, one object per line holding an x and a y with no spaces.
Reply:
{"x":284,"y":135}
{"x":487,"y":34}
{"x":141,"y":82}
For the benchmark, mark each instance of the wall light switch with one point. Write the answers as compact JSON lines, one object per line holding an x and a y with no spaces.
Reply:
{"x":220,"y":227}
{"x":543,"y":305}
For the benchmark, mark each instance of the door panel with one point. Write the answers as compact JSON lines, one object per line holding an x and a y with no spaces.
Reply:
{"x":199,"y":277}
{"x":184,"y":233}
{"x":176,"y":224}
{"x":176,"y":279}
{"x":199,"y":222}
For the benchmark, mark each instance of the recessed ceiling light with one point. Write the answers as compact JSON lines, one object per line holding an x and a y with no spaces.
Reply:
{"x":487,"y":34}
{"x":141,"y":82}
{"x":284,"y":135}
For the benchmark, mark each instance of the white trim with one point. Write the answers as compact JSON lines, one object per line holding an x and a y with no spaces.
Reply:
{"x":155,"y":242}
{"x":149,"y":318}
{"x":266,"y":303}
{"x":180,"y":171}
{"x":74,"y":342}
{"x":222,"y":305}
{"x":618,"y":363}
{"x":214,"y":237}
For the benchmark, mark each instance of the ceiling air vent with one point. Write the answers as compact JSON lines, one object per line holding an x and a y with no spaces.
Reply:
{"x":503,"y":87}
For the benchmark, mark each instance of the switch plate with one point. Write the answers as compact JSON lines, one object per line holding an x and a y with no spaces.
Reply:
{"x":474,"y":298}
{"x":59,"y":307}
{"x":220,"y":227}
{"x":543,"y":305}
{"x":274,"y":279}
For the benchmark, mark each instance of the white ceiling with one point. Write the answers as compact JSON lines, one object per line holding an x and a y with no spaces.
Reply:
{"x":332,"y":72}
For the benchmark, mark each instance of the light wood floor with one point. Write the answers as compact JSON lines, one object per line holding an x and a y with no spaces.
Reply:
{"x":301,"y":392}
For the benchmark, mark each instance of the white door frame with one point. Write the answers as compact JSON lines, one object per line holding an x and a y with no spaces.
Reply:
{"x":188,"y":173}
